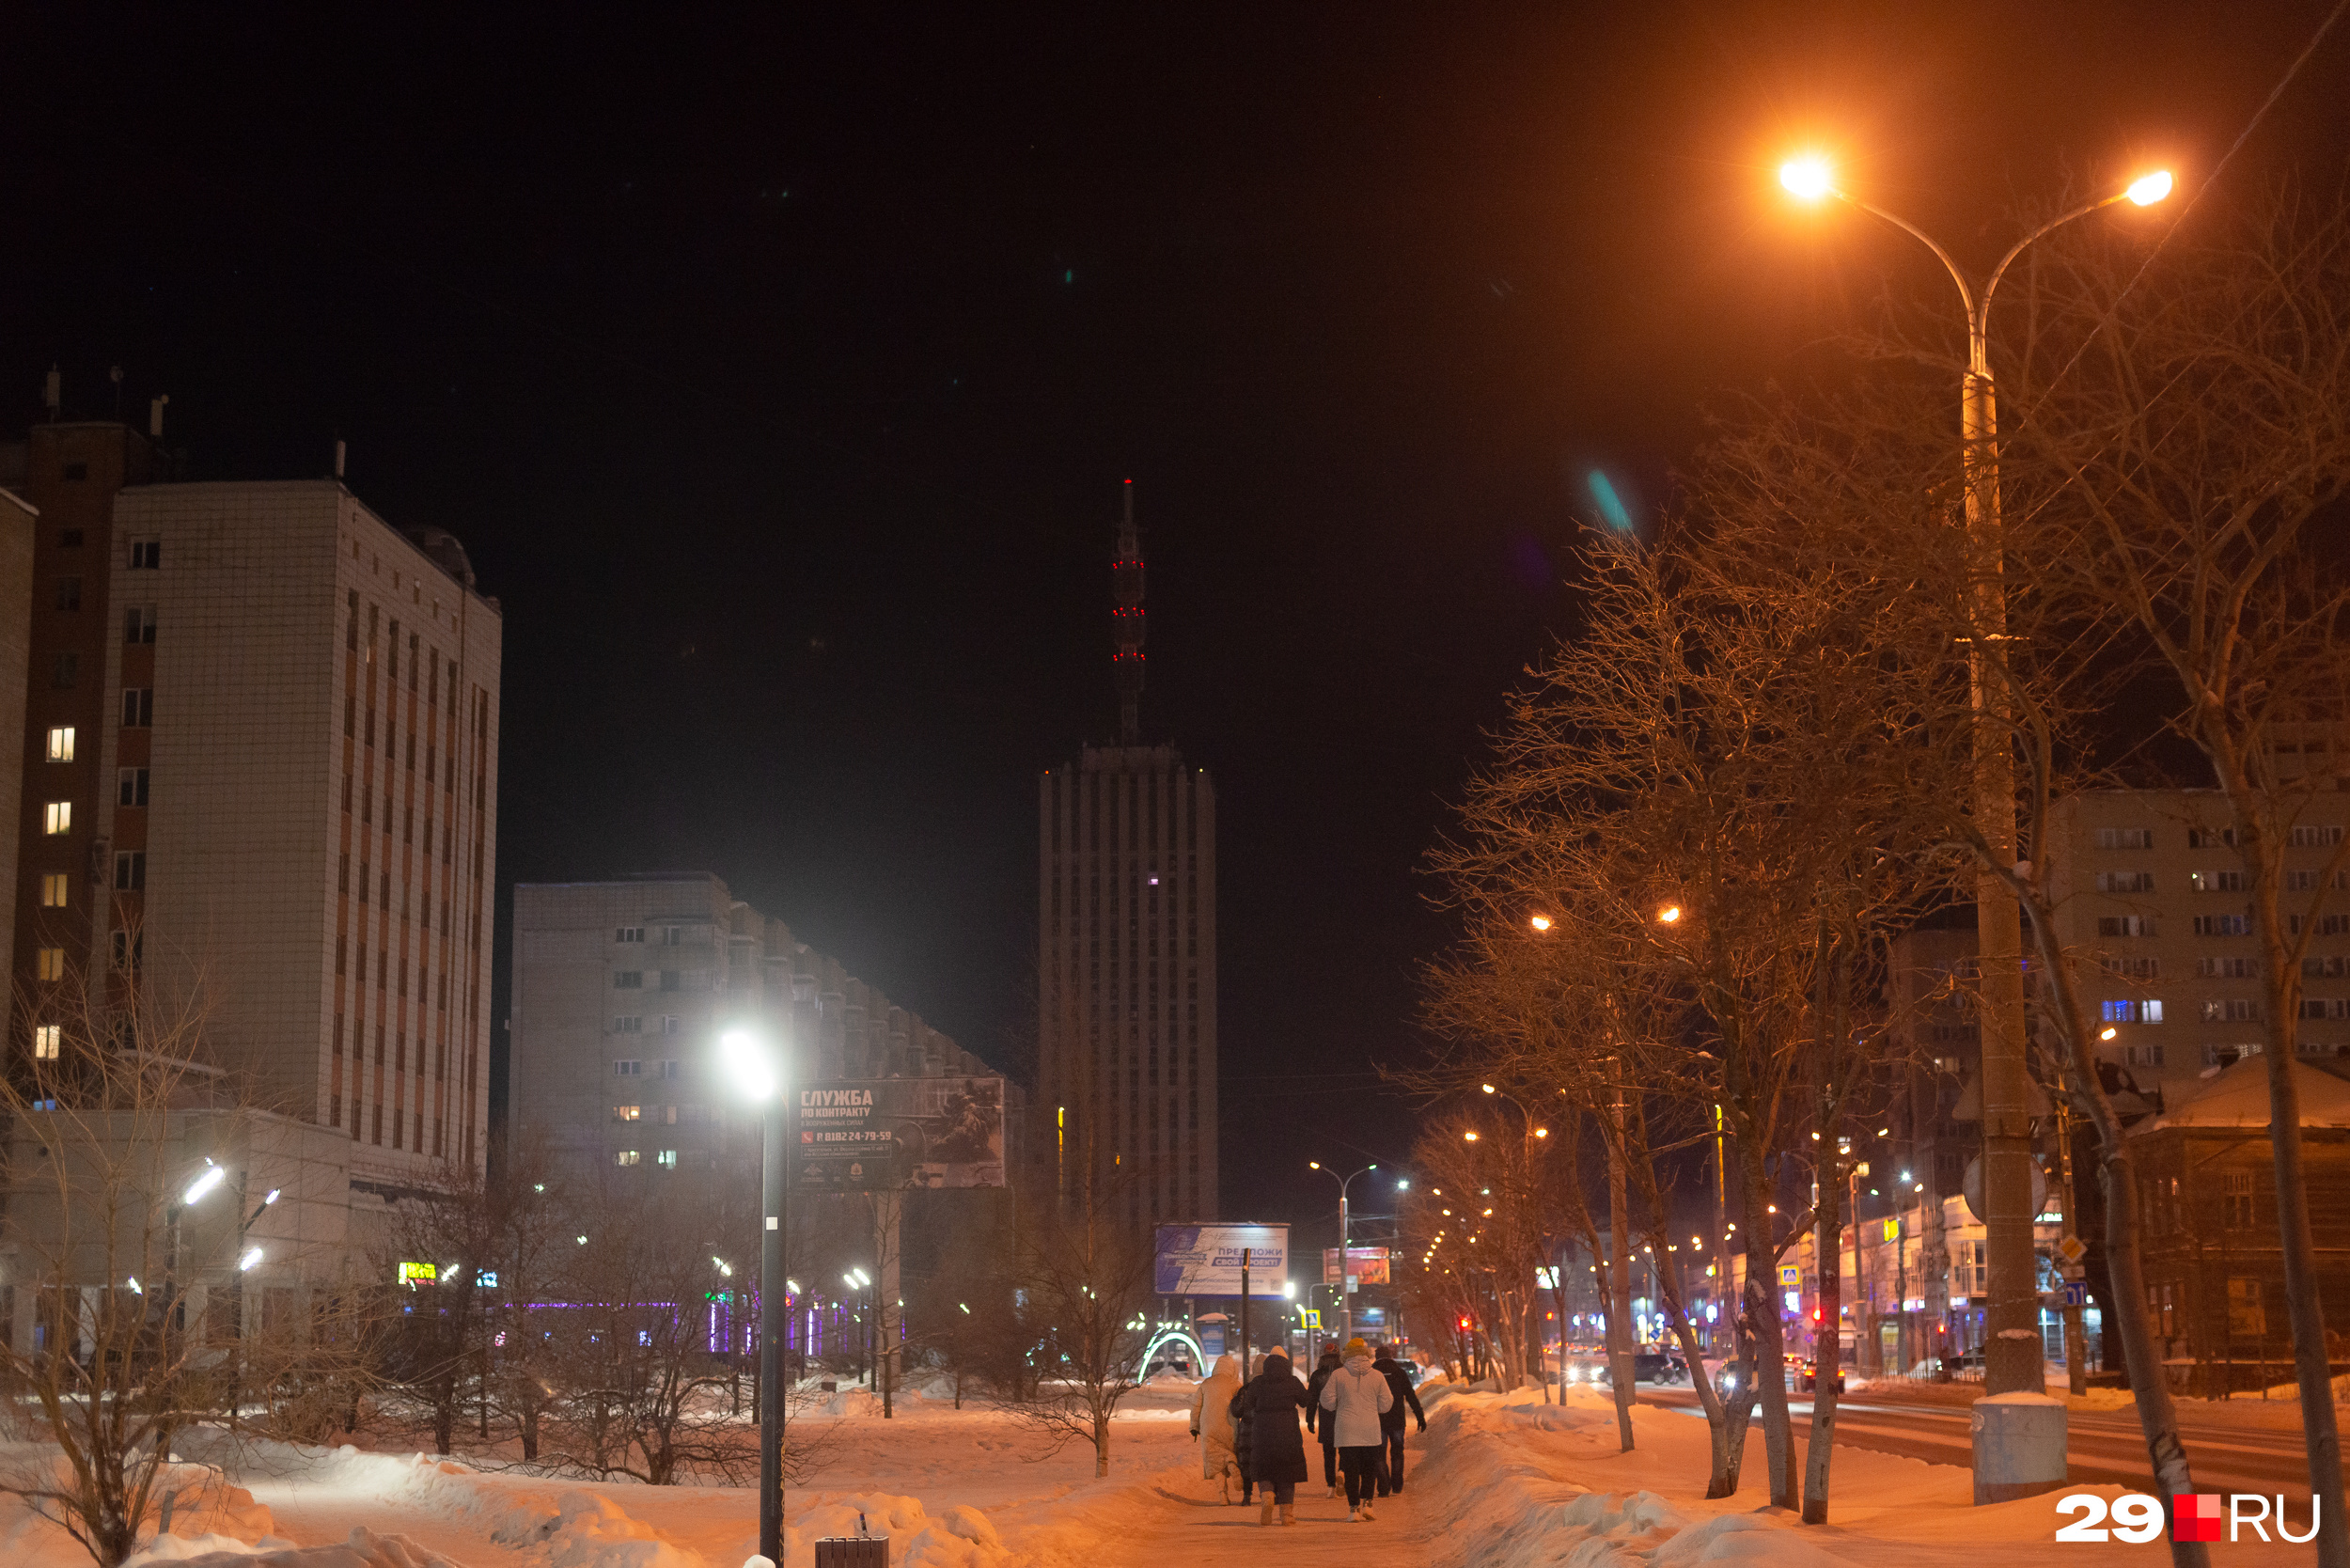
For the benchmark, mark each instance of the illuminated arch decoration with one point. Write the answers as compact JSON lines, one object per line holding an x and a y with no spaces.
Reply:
{"x":1167,"y":1335}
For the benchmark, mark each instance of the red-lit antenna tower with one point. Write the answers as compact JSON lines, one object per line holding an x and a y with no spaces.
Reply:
{"x":1127,"y":622}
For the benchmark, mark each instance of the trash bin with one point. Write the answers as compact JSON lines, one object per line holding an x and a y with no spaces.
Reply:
{"x":852,"y":1551}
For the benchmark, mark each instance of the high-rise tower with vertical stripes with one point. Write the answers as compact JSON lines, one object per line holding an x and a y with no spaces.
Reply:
{"x":1126,"y":955}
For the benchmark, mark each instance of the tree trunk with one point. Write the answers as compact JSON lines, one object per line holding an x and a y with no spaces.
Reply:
{"x":1770,"y":1372}
{"x":1826,"y":1343}
{"x":1101,"y":1444}
{"x":2311,"y":1368}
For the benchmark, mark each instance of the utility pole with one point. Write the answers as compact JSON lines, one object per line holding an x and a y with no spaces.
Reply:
{"x":2076,"y":1340}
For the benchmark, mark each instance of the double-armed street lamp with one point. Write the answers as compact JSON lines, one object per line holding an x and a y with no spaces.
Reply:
{"x":2012,"y":1361}
{"x":756,"y":1070}
{"x":1346,"y":1303}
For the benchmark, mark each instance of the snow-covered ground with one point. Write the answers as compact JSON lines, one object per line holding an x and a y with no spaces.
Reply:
{"x":1500,"y":1482}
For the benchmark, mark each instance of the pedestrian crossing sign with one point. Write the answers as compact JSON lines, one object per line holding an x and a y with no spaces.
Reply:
{"x":1309,"y":1317}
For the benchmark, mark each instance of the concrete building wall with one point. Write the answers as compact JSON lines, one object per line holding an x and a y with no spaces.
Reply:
{"x":19,"y":519}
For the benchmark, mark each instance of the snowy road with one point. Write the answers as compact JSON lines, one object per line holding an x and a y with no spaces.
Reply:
{"x":2103,"y":1444}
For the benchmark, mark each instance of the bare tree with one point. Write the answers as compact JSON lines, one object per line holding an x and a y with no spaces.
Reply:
{"x":2190,"y":418}
{"x":1087,"y":1277}
{"x":110,"y":1110}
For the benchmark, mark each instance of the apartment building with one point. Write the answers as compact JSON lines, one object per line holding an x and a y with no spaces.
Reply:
{"x":19,"y":524}
{"x":2152,"y":893}
{"x":621,"y":990}
{"x":262,"y":771}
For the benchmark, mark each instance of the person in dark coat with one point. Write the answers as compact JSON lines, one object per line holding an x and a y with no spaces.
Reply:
{"x":1240,"y":1438}
{"x":1391,"y":1421}
{"x":1267,"y":1408}
{"x":1329,"y":1430}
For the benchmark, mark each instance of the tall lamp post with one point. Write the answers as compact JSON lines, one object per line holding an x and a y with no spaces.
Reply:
{"x":1346,"y":1303}
{"x":757,"y":1070}
{"x":2013,"y":1357}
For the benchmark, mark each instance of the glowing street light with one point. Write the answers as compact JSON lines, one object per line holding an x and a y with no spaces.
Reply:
{"x":205,"y":1182}
{"x":1539,"y":922}
{"x":252,"y":1256}
{"x":756,"y":1067}
{"x":1806,"y":179}
{"x":2148,"y":189}
{"x":1668,"y":915}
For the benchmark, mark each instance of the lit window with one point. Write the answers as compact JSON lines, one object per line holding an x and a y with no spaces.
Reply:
{"x":48,"y":1042}
{"x":57,"y":817}
{"x":628,"y":1156}
{"x":667,"y":1159}
{"x":53,"y":889}
{"x":627,"y":1113}
{"x":49,"y":964}
{"x":61,"y":743}
{"x":2216,"y":882}
{"x":2231,"y":1010}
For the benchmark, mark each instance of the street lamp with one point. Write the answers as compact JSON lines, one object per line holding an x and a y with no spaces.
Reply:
{"x":2012,"y":1355}
{"x":757,"y":1071}
{"x":1346,"y":1305}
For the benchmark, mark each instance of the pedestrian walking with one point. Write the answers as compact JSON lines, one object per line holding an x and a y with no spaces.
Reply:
{"x":1212,"y":1424}
{"x":1391,"y":1422}
{"x":1267,"y":1408}
{"x":1240,"y":1434}
{"x":1353,"y":1400}
{"x":1329,"y":1431}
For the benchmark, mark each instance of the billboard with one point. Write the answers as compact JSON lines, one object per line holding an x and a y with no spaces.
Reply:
{"x":869,"y":1134}
{"x":1365,"y":1265}
{"x":1204,"y":1260}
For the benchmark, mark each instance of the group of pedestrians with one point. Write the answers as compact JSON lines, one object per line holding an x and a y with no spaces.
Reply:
{"x":1358,"y":1398}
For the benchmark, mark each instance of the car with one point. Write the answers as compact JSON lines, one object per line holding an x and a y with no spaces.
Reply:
{"x":1806,"y":1375}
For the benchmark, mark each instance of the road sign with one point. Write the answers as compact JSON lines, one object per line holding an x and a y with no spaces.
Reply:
{"x":2072,"y":1250}
{"x":2075,"y":1293}
{"x":1309,"y":1317}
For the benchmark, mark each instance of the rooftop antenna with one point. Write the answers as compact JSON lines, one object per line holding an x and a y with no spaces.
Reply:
{"x":1127,"y":624}
{"x":338,"y":457}
{"x":155,"y":416}
{"x":53,"y":392}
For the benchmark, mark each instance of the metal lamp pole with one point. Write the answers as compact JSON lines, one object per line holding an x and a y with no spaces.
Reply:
{"x":2012,"y":1352}
{"x":757,"y":1071}
{"x":1346,"y":1303}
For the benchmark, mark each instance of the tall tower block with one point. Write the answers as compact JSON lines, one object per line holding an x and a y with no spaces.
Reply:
{"x":1126,"y":954}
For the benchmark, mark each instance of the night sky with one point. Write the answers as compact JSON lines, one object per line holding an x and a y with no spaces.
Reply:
{"x":780,"y":370}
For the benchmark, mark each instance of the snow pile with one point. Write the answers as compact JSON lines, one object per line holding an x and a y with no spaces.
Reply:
{"x":962,"y":1537}
{"x":365,"y":1549}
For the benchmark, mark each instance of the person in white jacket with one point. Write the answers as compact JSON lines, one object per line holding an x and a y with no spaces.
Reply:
{"x":1354,"y":1399}
{"x":1212,"y":1423}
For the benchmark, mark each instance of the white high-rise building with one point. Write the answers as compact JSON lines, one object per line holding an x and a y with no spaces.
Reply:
{"x":297,"y":815}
